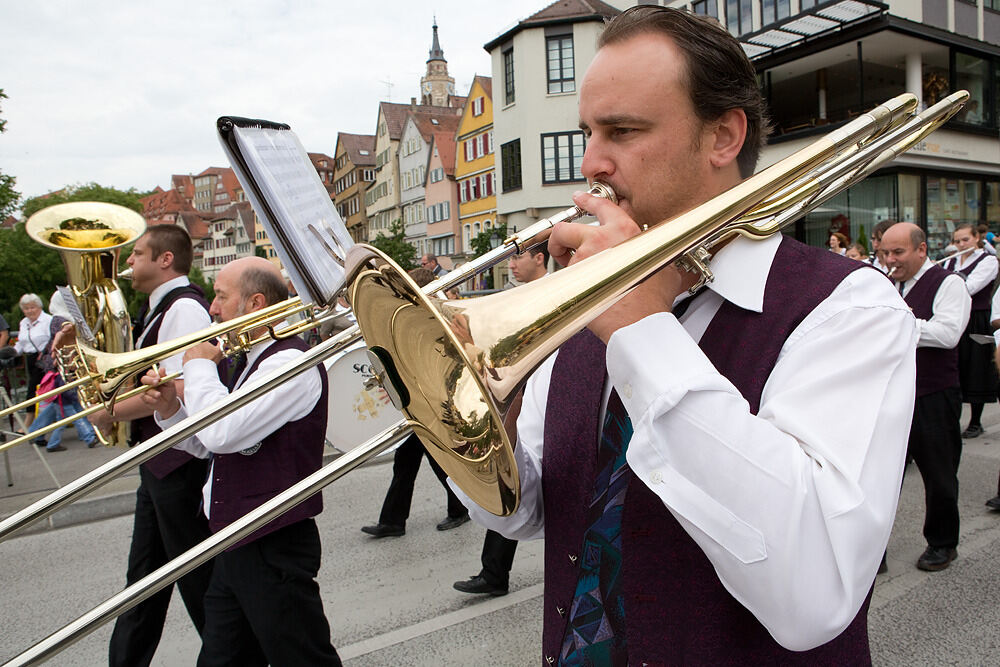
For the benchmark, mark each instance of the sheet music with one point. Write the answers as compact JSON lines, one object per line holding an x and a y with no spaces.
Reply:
{"x":76,"y":315}
{"x":308,"y":233}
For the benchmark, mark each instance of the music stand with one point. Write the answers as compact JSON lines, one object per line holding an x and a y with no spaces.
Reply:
{"x":292,"y":203}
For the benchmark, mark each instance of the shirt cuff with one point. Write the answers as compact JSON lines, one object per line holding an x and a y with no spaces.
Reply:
{"x":642,"y":378}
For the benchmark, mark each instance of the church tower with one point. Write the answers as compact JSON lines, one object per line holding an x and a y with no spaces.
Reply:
{"x":436,"y":87}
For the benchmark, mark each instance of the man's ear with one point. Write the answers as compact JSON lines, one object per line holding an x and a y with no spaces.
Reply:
{"x":258,"y":302}
{"x":727,"y":137}
{"x":165,"y":260}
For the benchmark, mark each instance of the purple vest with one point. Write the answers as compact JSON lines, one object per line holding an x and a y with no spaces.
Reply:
{"x":937,"y":368}
{"x":676,"y":609}
{"x":242,"y":482}
{"x":144,"y":428}
{"x":981,"y":299}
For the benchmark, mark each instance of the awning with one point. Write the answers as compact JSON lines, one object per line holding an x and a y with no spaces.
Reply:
{"x":824,"y":18}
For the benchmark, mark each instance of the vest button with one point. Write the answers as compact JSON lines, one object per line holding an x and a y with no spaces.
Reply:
{"x":561,"y":610}
{"x":549,"y":659}
{"x":572,"y":558}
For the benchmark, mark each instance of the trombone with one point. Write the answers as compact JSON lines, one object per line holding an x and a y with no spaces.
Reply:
{"x":99,"y":377}
{"x":757,"y":208}
{"x":144,"y":358}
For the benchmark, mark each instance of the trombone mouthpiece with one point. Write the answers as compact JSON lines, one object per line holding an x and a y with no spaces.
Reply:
{"x":126,"y":274}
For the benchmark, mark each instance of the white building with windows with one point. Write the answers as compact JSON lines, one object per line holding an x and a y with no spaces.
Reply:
{"x":414,"y":149}
{"x":537,"y":67}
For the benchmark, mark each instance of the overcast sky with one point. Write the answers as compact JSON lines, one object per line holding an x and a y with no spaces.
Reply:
{"x":126,"y":93}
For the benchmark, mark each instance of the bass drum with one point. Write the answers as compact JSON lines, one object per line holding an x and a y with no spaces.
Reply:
{"x":355,"y":414}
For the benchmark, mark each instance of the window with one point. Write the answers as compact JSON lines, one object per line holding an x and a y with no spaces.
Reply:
{"x":706,"y":8}
{"x":477,"y":106}
{"x":772,"y":11}
{"x":739,"y":16}
{"x":562,"y":155}
{"x":369,"y":175}
{"x":559,"y":57}
{"x":508,"y":75}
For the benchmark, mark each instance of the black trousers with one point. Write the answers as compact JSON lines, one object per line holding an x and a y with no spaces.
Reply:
{"x":497,"y":558}
{"x":263,"y":604}
{"x":936,"y":447}
{"x":168,"y":522}
{"x":405,"y":465}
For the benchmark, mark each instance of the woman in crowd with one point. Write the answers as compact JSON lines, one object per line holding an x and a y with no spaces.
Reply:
{"x":838,"y":243}
{"x":33,"y":339}
{"x":858,"y":252}
{"x":977,"y":373}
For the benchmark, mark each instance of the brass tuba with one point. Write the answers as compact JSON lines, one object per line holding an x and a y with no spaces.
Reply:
{"x":89,"y":237}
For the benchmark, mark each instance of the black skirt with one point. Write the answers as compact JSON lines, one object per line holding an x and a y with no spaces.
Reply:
{"x":976,"y":370}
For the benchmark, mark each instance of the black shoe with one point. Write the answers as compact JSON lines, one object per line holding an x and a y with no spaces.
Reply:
{"x":40,"y":443}
{"x":384,"y":530}
{"x":883,"y":567}
{"x":452,"y":522}
{"x":994,"y":503}
{"x":477,"y":584}
{"x":936,"y":558}
{"x":57,"y":448}
{"x":974,"y":431}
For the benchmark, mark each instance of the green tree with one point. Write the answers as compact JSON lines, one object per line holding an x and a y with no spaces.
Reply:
{"x":8,"y":195}
{"x":130,"y":198}
{"x":396,"y":247}
{"x":483,"y":242}
{"x":27,"y":267}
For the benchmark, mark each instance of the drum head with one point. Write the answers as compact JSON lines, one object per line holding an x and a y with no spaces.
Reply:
{"x":355,"y":414}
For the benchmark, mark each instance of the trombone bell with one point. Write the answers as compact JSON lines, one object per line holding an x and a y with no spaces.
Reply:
{"x":450,"y":413}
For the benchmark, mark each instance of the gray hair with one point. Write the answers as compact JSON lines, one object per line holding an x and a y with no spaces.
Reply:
{"x":30,"y":298}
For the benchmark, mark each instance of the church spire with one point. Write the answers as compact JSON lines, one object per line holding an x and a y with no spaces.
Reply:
{"x":435,"y":53}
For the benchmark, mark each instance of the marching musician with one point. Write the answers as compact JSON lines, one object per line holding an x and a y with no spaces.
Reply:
{"x":941,"y":305}
{"x":166,"y":522}
{"x":263,"y":604}
{"x":976,"y":371}
{"x":753,"y":522}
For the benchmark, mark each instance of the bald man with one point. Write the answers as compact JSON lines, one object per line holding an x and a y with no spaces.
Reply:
{"x":941,"y":304}
{"x":263,"y":604}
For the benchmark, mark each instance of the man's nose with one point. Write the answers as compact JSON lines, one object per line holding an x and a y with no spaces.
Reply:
{"x":597,"y":164}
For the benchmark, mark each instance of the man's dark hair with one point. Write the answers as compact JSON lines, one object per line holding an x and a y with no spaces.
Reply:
{"x":421,"y":276}
{"x":543,"y":248}
{"x":719,"y":74}
{"x":878,"y":231}
{"x":163,"y":238}
{"x":262,"y":281}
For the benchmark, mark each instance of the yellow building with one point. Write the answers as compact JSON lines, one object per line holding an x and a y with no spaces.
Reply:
{"x":475,"y":164}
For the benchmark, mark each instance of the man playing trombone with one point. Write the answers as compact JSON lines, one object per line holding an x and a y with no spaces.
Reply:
{"x":166,"y":520}
{"x":263,"y":604}
{"x":724,"y":515}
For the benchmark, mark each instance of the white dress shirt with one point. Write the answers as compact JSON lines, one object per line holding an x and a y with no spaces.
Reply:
{"x":182,"y":317}
{"x":952,"y":305}
{"x":984,"y":274}
{"x":794,"y":505}
{"x":249,"y":425}
{"x":33,"y":337}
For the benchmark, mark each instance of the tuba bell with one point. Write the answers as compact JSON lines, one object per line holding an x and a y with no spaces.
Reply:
{"x":89,"y":237}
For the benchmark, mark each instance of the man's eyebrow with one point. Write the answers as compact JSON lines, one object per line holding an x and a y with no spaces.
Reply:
{"x":618,"y":119}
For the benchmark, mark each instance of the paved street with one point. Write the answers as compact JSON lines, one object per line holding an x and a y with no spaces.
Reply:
{"x":391,"y":601}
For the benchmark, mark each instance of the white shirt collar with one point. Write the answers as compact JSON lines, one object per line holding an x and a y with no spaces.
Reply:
{"x":156,"y":296}
{"x":741,"y":268}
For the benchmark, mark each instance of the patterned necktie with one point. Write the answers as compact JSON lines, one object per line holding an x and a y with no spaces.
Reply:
{"x":595,"y":633}
{"x":234,"y":369}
